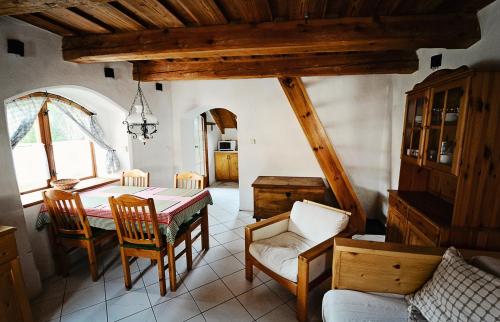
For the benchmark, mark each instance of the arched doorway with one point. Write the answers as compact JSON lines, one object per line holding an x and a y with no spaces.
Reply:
{"x":216,"y":146}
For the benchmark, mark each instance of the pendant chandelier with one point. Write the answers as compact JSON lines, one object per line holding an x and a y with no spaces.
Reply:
{"x":141,"y":123}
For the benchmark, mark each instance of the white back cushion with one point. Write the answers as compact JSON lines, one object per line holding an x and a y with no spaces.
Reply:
{"x":316,"y":223}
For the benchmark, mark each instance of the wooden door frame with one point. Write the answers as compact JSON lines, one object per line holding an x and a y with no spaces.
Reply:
{"x":205,"y":143}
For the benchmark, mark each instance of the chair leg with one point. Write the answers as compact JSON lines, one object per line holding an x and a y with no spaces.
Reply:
{"x":92,"y":261}
{"x":126,"y":270}
{"x":248,"y":268}
{"x":171,"y":267}
{"x":189,"y":250}
{"x":161,"y":275}
{"x":302,"y":291}
{"x":60,"y":256}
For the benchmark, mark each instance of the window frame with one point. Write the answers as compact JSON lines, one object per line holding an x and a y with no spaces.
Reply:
{"x":43,"y":120}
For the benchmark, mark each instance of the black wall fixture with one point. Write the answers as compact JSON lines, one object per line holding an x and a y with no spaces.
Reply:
{"x":159,"y":87}
{"x":436,"y":61}
{"x":109,"y":72}
{"x":15,"y":47}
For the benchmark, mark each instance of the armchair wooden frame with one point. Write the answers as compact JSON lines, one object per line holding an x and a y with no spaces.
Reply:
{"x":70,"y":229}
{"x":303,"y":285}
{"x":367,"y":266}
{"x":135,"y":177}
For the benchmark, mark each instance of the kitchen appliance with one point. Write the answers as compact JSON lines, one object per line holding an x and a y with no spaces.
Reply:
{"x":227,"y":145}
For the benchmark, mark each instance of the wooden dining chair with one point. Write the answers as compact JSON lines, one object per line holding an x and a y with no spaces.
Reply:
{"x":139,"y":236}
{"x":70,"y":228}
{"x":135,"y":177}
{"x":191,"y":180}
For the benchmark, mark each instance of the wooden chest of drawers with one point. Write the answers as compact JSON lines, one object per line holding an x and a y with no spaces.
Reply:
{"x":14,"y":304}
{"x":276,"y":195}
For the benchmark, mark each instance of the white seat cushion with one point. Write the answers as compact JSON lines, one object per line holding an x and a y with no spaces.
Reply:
{"x":280,"y":254}
{"x":345,"y":305}
{"x":316,"y":223}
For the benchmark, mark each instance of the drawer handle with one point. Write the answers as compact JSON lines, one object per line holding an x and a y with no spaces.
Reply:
{"x":288,"y":194}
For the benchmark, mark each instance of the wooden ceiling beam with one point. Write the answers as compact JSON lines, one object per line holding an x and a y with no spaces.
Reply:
{"x":17,"y":7}
{"x":40,"y":21}
{"x":218,"y":120}
{"x":152,"y":12}
{"x":323,"y":150}
{"x":403,"y":33}
{"x":332,"y":64}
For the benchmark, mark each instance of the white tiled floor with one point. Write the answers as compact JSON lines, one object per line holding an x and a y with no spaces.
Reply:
{"x":215,"y":290}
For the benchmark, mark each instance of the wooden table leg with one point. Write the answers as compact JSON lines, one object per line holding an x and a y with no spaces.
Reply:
{"x":205,"y":244}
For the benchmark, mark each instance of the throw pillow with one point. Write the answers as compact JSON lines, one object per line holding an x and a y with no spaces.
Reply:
{"x":458,"y":292}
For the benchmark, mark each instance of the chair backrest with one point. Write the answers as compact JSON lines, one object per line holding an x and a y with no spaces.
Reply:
{"x":316,"y":222}
{"x":66,"y":213}
{"x":135,"y":177}
{"x":136,"y":220}
{"x":189,"y":180}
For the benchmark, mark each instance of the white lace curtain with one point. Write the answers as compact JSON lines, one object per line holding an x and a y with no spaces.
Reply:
{"x":92,"y":129}
{"x":22,"y":114}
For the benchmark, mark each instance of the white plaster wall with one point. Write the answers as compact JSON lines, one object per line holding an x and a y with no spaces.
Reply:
{"x":356,"y":114}
{"x":483,"y":54}
{"x":230,"y":134}
{"x":353,"y":109}
{"x":263,"y":114}
{"x":43,"y":68}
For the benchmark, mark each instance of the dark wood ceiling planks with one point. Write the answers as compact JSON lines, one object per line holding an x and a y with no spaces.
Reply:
{"x":80,"y":18}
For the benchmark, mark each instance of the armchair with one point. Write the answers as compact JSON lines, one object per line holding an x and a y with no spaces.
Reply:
{"x":295,"y":248}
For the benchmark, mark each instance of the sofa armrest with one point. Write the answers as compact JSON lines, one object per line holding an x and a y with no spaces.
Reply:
{"x":382,"y":267}
{"x":267,"y":228}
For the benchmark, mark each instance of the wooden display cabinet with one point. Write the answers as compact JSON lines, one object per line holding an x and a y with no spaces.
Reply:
{"x":449,"y":184}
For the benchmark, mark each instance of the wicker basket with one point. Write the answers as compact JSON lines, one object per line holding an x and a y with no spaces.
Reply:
{"x":64,"y":184}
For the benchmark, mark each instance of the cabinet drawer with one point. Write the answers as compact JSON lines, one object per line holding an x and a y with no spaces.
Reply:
{"x":424,"y":226}
{"x":415,"y":237}
{"x":8,"y":250}
{"x":276,"y":201}
{"x":399,"y":205}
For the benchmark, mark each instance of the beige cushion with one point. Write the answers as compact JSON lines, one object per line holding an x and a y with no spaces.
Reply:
{"x":316,"y":223}
{"x":280,"y":254}
{"x":346,"y":305}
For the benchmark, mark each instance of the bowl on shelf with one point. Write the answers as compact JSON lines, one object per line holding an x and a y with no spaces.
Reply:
{"x":451,"y":117}
{"x":64,"y":184}
{"x":445,"y":158}
{"x":418,"y":119}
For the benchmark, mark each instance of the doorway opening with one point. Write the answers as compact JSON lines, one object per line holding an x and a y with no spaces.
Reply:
{"x":216,"y":147}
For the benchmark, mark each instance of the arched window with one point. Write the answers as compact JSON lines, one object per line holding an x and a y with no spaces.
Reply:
{"x":54,"y":143}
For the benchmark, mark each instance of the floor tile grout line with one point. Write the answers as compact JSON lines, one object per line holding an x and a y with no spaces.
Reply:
{"x":105,"y":298}
{"x":238,"y":300}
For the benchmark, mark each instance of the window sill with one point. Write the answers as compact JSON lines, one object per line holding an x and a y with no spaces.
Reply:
{"x":35,"y":198}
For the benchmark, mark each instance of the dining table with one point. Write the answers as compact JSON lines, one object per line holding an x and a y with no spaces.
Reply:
{"x":174,"y":206}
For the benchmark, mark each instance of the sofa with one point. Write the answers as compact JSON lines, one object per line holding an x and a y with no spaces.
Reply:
{"x":370,"y":279}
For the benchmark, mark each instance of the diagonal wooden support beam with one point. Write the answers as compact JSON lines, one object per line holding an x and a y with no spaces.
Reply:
{"x":324,"y":151}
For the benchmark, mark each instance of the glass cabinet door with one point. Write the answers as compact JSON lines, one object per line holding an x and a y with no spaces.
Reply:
{"x":413,"y":131}
{"x":445,"y":113}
